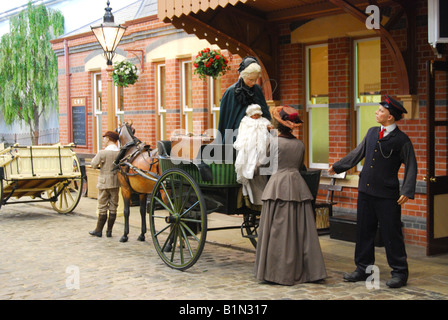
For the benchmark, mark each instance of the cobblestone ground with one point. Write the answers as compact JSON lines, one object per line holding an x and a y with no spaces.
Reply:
{"x":42,"y":253}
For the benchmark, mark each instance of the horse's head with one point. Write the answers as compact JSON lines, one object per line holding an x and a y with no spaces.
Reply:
{"x":126,"y":133}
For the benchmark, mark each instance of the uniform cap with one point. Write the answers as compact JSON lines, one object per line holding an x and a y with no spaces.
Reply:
{"x":395,"y":107}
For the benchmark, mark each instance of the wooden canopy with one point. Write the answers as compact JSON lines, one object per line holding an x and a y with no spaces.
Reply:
{"x":250,"y":27}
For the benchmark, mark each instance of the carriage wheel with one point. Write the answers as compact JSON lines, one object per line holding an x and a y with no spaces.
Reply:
{"x":69,"y":191}
{"x":179,"y":229}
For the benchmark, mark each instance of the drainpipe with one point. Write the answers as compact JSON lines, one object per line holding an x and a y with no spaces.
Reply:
{"x":67,"y":90}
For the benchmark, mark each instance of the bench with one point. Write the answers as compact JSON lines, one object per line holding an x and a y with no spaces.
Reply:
{"x":340,"y":227}
{"x":324,"y":209}
{"x":343,"y":227}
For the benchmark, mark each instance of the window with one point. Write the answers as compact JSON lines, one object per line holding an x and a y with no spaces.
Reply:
{"x":97,"y":113}
{"x":367,"y":66}
{"x":161,"y":102}
{"x":119,"y":103}
{"x":187,"y":100}
{"x":317,"y":104}
{"x":215,"y":102}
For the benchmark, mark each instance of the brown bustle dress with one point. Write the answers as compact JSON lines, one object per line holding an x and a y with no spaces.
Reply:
{"x":288,"y":248}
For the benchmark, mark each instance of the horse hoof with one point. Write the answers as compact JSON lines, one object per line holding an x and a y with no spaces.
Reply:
{"x":124,"y":239}
{"x":141,"y":238}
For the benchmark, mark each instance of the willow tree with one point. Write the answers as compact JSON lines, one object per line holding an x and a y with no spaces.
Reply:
{"x":29,"y":68}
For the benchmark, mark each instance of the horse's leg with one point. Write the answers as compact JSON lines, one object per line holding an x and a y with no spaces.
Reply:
{"x":124,"y":237}
{"x":126,"y":193}
{"x":142,"y":199}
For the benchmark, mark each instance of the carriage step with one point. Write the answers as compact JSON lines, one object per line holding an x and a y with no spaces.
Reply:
{"x":245,"y":227}
{"x":249,"y":236}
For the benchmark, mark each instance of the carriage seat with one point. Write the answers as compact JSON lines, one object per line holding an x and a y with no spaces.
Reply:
{"x":188,"y":146}
{"x":164,"y":148}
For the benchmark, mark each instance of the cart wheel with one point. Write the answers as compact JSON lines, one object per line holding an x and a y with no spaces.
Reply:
{"x":178,"y":230}
{"x":69,"y":191}
{"x":1,"y":192}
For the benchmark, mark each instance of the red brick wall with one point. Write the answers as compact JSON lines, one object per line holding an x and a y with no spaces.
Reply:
{"x":339,"y":87}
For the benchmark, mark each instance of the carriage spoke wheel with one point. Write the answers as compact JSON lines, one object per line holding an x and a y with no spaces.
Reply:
{"x":69,"y":191}
{"x":179,"y":229}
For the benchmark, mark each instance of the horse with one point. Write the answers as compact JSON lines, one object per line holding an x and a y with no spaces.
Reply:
{"x":136,"y":163}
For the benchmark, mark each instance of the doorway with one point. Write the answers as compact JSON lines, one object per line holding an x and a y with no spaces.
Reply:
{"x":437,"y":159}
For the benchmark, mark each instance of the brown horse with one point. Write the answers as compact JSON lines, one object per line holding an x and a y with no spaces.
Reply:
{"x":138,"y":173}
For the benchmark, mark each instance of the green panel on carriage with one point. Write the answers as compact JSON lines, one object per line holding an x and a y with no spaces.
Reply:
{"x":223,"y":175}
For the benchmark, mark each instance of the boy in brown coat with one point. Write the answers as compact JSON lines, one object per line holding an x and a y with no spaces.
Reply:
{"x":108,"y":184}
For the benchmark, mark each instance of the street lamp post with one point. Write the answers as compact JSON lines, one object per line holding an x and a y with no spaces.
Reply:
{"x":109,"y":35}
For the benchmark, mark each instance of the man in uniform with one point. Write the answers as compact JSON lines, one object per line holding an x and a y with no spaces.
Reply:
{"x":384,"y":148}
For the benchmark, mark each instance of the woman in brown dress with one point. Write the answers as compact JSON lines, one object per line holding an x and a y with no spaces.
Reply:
{"x":288,"y":248}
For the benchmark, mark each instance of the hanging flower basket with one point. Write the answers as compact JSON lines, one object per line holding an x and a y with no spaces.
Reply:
{"x":210,"y":63}
{"x":125,"y":73}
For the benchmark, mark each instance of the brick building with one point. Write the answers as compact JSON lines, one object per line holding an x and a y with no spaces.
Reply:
{"x":319,"y":56}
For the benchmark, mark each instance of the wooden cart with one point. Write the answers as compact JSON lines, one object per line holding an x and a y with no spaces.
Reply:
{"x":41,"y":173}
{"x":187,"y":191}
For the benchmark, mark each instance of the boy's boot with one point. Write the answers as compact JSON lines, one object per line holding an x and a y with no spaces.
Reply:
{"x":110,"y":223}
{"x":99,"y":225}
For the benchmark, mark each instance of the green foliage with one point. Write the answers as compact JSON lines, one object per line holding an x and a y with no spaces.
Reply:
{"x":28,"y":65}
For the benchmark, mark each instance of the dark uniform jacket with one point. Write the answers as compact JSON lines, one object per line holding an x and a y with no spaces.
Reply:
{"x":383,"y":158}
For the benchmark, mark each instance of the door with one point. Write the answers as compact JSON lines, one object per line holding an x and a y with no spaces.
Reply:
{"x":437,"y":159}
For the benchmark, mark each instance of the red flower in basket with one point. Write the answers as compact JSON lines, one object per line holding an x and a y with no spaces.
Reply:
{"x":210,"y":63}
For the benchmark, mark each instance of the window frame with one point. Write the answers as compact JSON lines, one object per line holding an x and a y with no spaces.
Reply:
{"x":357,"y":105}
{"x":186,"y":109}
{"x":161,"y":110}
{"x":119,"y":94}
{"x":97,"y":110}
{"x":310,"y":106}
{"x":213,"y":109}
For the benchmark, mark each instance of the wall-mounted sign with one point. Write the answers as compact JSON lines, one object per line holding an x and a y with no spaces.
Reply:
{"x":79,"y":120}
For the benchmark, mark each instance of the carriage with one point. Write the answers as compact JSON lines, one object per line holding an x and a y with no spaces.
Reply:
{"x":41,"y":174}
{"x":190,"y":188}
{"x":184,"y":185}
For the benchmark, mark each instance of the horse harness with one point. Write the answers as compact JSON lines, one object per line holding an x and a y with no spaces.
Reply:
{"x":132,"y":150}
